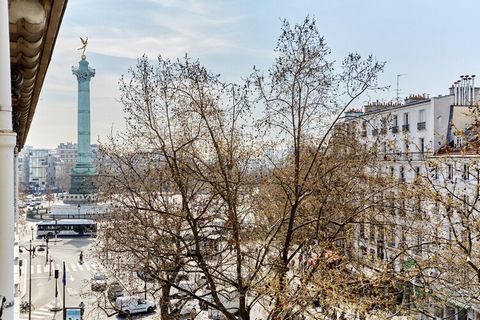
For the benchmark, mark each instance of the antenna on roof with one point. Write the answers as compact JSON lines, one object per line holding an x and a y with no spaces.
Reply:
{"x":398,"y":88}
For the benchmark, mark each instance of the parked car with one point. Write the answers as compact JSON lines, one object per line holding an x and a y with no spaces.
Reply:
{"x":146,"y":275}
{"x":114,"y":291}
{"x":132,"y":305}
{"x":99,"y":282}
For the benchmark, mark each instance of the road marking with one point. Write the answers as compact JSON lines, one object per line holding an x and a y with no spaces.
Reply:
{"x":87,"y":266}
{"x":73,"y":267}
{"x":72,"y":278}
{"x":79,"y":268}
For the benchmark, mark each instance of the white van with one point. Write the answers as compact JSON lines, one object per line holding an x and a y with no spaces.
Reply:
{"x":132,"y":305}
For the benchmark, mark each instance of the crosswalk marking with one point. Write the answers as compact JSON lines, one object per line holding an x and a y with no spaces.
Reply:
{"x":69,"y":267}
{"x":41,"y":313}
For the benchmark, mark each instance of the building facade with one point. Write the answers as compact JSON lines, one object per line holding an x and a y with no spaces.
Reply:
{"x":428,"y":149}
{"x":28,"y":31}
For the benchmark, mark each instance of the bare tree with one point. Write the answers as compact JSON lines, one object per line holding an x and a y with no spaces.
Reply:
{"x":311,"y":186}
{"x":179,"y":184}
{"x":195,"y":190}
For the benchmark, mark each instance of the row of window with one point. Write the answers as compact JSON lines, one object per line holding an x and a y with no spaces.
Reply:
{"x":450,"y":170}
{"x":406,"y":147}
{"x":394,"y":125}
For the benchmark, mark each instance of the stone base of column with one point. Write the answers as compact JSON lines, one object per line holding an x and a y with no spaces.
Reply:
{"x":82,"y":184}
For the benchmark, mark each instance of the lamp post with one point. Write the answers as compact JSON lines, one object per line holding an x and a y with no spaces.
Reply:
{"x":56,"y":231}
{"x":46,"y":256}
{"x":78,"y":215}
{"x":50,"y":269}
{"x":31,"y":251}
{"x":31,"y":228}
{"x":145,"y":286}
{"x":56,"y":307}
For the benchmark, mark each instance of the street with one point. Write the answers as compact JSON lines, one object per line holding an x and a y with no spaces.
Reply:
{"x":77,"y":276}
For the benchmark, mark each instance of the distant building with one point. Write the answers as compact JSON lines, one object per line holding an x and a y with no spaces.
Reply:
{"x":43,"y":170}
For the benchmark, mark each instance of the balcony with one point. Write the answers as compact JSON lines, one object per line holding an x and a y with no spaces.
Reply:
{"x":394,"y":129}
{"x":421,"y":125}
{"x":405,"y":127}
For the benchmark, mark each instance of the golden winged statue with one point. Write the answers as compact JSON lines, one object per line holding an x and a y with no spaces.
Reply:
{"x":84,"y":45}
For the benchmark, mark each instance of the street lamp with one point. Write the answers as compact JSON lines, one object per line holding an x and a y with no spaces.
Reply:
{"x":31,"y":228}
{"x":78,"y":206}
{"x":46,"y":257}
{"x":56,"y":231}
{"x":50,"y":269}
{"x":31,"y":251}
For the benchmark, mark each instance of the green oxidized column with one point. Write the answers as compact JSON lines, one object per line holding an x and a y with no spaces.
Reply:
{"x":83,"y":169}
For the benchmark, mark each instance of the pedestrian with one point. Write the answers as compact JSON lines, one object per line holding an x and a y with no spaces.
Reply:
{"x":82,"y":308}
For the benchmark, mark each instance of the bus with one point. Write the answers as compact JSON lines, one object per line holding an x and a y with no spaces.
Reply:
{"x":67,"y":227}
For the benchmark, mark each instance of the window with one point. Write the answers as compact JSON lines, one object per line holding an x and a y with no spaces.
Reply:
{"x":380,"y":250}
{"x":435,"y":173}
{"x":457,"y":141}
{"x":449,"y":172}
{"x":465,"y":174}
{"x":395,"y":121}
{"x":362,"y":230}
{"x":465,"y":203}
{"x":421,"y":145}
{"x":372,"y":232}
{"x":392,"y":171}
{"x":417,"y":172}
{"x":364,"y":129}
{"x":403,"y":238}
{"x":421,"y":125}
{"x":394,"y":124}
{"x":418,"y":247}
{"x":405,"y":126}
{"x":364,"y":250}
{"x":402,"y":174}
{"x":391,"y":236}
{"x":421,"y":115}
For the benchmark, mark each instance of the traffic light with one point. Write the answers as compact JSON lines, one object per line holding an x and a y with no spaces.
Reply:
{"x":56,"y":274}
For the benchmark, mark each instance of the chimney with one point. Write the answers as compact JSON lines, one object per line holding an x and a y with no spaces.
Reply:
{"x":473,"y":89}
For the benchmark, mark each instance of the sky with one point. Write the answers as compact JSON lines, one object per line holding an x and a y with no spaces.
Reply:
{"x":430,"y":42}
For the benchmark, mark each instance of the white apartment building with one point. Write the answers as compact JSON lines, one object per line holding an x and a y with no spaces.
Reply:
{"x":422,"y":137}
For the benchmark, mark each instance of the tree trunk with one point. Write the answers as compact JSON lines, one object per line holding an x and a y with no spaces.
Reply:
{"x":165,"y":303}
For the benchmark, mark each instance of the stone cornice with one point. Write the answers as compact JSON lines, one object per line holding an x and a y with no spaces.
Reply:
{"x":34,"y":26}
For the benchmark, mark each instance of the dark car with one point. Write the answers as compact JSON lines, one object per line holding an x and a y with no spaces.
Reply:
{"x":114,"y":291}
{"x":99,"y":282}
